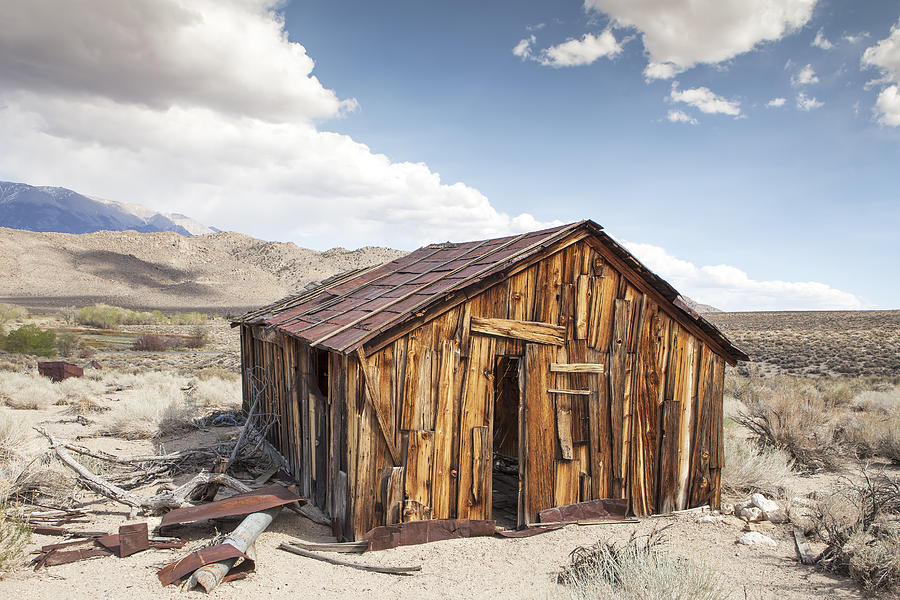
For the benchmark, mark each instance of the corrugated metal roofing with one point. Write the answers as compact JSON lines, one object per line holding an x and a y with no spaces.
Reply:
{"x":347,"y":310}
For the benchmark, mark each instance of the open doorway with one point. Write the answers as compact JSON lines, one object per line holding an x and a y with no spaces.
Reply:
{"x":505,"y":476}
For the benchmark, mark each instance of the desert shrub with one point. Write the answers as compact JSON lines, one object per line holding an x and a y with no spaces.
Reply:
{"x":10,"y":313}
{"x":31,"y":339}
{"x":861,"y":529}
{"x":750,"y":468}
{"x":27,"y":391}
{"x":637,"y":570}
{"x":793,"y":417}
{"x":155,"y":343}
{"x":86,"y":352}
{"x":14,"y":536}
{"x":110,"y":317}
{"x":67,"y":343}
{"x":13,"y":433}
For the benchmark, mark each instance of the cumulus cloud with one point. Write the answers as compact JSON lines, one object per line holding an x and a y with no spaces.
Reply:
{"x":820,"y":41}
{"x":729,"y":288}
{"x":572,"y":52}
{"x":678,"y":34}
{"x":805,"y":76}
{"x":205,"y":107}
{"x":885,"y":56}
{"x":678,"y":116}
{"x":706,"y":100}
{"x":776,"y":102}
{"x":807,"y":103}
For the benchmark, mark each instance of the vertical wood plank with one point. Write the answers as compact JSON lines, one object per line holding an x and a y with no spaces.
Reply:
{"x":442,"y":501}
{"x":420,"y":450}
{"x":481,"y":468}
{"x":477,"y":401}
{"x":583,"y":296}
{"x":539,"y":417}
{"x":619,"y":399}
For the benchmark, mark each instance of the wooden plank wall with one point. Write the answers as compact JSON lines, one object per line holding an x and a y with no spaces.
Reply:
{"x":648,"y":428}
{"x":308,"y":423}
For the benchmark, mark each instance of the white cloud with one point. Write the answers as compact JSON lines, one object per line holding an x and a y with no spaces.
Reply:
{"x":821,"y":41}
{"x":885,"y":56}
{"x":684,"y":33}
{"x":678,"y":116}
{"x":706,"y":100}
{"x":523,"y":48}
{"x":204,"y":107}
{"x":806,"y":76}
{"x":667,"y":70}
{"x":888,"y":106}
{"x":536,"y":27}
{"x":807,"y":103}
{"x":729,"y":288}
{"x":572,"y":52}
{"x":852,"y":39}
{"x":776,"y":102}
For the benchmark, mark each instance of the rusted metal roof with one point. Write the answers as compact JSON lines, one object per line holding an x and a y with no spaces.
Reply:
{"x":240,"y":504}
{"x":350,"y":309}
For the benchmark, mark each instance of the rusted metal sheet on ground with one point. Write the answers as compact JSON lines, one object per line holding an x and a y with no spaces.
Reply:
{"x":193,"y":561}
{"x":530,"y":531}
{"x":240,"y":504}
{"x":605,"y":508}
{"x":421,"y":532}
{"x":57,"y":370}
{"x":131,"y":539}
{"x":64,"y":557}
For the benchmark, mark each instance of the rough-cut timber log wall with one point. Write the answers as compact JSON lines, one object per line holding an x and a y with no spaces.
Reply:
{"x":647,"y":428}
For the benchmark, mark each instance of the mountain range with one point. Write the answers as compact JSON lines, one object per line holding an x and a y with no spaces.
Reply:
{"x":58,"y":209}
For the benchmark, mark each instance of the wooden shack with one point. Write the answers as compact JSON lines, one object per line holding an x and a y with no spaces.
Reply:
{"x":492,"y":379}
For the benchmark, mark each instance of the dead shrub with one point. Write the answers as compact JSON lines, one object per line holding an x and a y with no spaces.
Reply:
{"x":639,"y":569}
{"x":155,"y":343}
{"x":217,"y":393}
{"x":794,"y":418}
{"x":750,"y":468}
{"x":860,"y":525}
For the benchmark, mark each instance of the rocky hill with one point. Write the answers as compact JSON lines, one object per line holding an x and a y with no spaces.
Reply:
{"x":218,"y":272}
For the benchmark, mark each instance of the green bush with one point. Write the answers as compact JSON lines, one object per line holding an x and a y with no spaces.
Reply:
{"x":100,"y":315}
{"x":31,"y":339}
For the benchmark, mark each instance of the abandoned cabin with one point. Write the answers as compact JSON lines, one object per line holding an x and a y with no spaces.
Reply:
{"x":492,"y":380}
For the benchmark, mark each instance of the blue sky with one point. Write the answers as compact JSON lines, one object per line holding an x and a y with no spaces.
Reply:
{"x":358,"y":123}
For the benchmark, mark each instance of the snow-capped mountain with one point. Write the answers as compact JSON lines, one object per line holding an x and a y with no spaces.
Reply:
{"x":45,"y":208}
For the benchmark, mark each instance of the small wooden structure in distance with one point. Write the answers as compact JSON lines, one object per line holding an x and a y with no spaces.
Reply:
{"x":499,"y":376}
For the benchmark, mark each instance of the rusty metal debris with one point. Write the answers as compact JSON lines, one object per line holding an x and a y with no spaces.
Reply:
{"x":240,"y":504}
{"x":605,"y":508}
{"x":131,"y":539}
{"x":185,"y":566}
{"x":57,"y":370}
{"x":421,"y":532}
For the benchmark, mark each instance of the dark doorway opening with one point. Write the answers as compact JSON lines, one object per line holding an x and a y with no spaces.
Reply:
{"x":505,"y":476}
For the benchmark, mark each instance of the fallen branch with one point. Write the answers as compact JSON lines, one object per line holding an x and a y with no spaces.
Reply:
{"x":177,"y":498}
{"x":345,"y":563}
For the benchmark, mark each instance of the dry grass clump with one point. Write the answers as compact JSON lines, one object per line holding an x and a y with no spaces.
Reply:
{"x":640,"y":569}
{"x":146,"y":414}
{"x":14,"y":537}
{"x":217,"y":373}
{"x":861,"y":526}
{"x":27,"y":391}
{"x":750,"y":468}
{"x":217,"y":393}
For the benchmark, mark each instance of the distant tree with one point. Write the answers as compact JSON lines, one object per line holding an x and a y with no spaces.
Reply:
{"x":10,"y":313}
{"x":31,"y":339}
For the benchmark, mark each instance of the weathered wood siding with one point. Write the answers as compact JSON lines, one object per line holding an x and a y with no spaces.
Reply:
{"x":647,"y":428}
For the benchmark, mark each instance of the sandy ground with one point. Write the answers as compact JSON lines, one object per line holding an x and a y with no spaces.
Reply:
{"x":473,"y":568}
